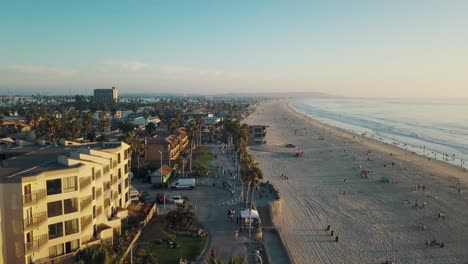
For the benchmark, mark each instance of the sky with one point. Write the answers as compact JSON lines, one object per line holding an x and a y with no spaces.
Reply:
{"x":353,"y":48}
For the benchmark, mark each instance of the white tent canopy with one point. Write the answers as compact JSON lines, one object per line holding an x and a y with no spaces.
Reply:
{"x":246,"y":214}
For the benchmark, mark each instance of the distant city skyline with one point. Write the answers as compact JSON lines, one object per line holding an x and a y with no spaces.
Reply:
{"x":345,"y":48}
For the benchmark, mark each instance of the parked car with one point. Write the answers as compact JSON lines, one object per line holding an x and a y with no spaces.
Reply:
{"x":160,"y":197}
{"x":185,"y":183}
{"x":176,"y":199}
{"x":147,"y":198}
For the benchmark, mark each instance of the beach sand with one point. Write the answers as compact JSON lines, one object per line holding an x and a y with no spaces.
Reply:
{"x":374,"y":220}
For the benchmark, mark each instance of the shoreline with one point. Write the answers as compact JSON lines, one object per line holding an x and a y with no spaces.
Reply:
{"x":374,"y":215}
{"x":384,"y":146}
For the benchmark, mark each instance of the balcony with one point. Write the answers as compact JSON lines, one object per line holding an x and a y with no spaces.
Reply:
{"x":34,"y":196}
{"x":98,"y":192}
{"x":35,"y":220}
{"x":114,"y":179}
{"x":106,"y":169}
{"x":98,"y":174}
{"x":107,"y":185}
{"x":84,"y":182}
{"x":86,"y":221}
{"x":98,"y":210}
{"x":85,"y":202}
{"x":115,"y":196}
{"x":36,"y":244}
{"x":107,"y":202}
{"x":114,"y":164}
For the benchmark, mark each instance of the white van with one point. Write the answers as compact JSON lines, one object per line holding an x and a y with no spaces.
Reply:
{"x":186,"y":183}
{"x":134,"y":195}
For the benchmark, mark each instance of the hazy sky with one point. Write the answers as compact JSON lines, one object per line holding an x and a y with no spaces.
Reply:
{"x":395,"y":48}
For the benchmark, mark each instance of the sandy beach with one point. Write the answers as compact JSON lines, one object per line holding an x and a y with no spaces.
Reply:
{"x":375,"y":217}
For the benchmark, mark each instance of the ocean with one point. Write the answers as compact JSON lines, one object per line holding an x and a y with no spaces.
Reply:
{"x":434,"y":128}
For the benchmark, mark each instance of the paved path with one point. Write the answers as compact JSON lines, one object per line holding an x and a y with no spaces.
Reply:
{"x":212,"y":204}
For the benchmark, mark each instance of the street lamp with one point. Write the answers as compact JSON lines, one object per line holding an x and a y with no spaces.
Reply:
{"x":183,"y":168}
{"x":134,"y":246}
{"x":160,"y":152}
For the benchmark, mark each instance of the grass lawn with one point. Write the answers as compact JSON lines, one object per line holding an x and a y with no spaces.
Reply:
{"x":190,"y":248}
{"x":202,"y":156}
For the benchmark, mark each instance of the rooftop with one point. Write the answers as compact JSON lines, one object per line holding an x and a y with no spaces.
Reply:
{"x":32,"y":163}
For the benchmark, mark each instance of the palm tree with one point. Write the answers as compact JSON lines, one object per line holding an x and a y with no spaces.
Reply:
{"x":150,"y":128}
{"x":193,"y":132}
{"x":136,"y":145}
{"x":251,"y":175}
{"x":146,"y":258}
{"x":100,"y":254}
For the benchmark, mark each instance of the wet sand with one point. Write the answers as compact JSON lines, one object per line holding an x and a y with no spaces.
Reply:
{"x":376,"y":220}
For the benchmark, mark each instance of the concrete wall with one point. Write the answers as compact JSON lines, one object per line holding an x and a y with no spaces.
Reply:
{"x":11,"y":224}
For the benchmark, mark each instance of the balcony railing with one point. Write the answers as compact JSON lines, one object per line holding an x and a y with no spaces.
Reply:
{"x":98,"y":210}
{"x":107,"y":202}
{"x":34,"y":196}
{"x":85,"y":202}
{"x":98,"y":192}
{"x":84,"y":182}
{"x":98,"y":174}
{"x":86,"y":221}
{"x":35,"y":220}
{"x":106,"y":169}
{"x":37,"y":243}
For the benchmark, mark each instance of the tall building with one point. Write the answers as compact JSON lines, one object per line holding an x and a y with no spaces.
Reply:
{"x":54,"y":201}
{"x":106,"y":96}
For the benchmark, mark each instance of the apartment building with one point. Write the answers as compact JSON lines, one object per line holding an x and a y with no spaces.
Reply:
{"x":168,"y":147}
{"x":106,"y":96}
{"x":257,"y":134}
{"x":54,"y":201}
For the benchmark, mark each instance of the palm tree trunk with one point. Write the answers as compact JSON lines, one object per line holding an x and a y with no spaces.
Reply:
{"x":246,"y":194}
{"x":252,"y":188}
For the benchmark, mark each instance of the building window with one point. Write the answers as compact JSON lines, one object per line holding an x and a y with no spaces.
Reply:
{"x":126,"y":197}
{"x":71,"y":227}
{"x":120,"y":188}
{"x":118,"y":158}
{"x":72,"y":246}
{"x":54,"y":209}
{"x":55,"y":230}
{"x":94,"y":193}
{"x":56,"y":250}
{"x":54,"y":186}
{"x":69,"y":184}
{"x":70,"y":205}
{"x":126,"y":168}
{"x":120,"y":173}
{"x":125,"y":154}
{"x":127,"y":182}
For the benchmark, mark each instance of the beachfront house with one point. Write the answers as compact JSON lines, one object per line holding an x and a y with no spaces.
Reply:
{"x":257,"y":134}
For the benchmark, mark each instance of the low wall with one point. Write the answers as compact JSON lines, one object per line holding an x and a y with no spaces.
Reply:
{"x":275,"y":208}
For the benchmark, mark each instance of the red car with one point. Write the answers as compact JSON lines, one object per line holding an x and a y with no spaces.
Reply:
{"x":160,"y":197}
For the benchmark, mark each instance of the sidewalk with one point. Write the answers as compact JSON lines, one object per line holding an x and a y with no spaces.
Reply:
{"x":215,"y":217}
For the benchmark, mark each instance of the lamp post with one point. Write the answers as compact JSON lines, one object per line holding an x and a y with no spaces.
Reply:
{"x":161,"y":169}
{"x":134,"y":246}
{"x":183,"y":167}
